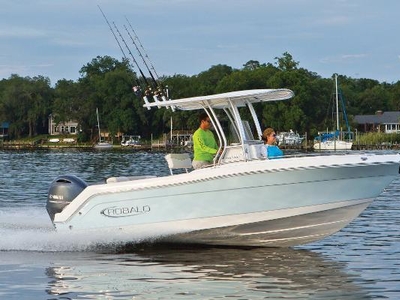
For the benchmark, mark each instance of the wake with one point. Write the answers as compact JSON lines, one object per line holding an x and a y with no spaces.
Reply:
{"x":23,"y":229}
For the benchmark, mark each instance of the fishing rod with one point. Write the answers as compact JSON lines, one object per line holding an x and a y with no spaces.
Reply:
{"x":149,"y":92}
{"x":136,"y":88}
{"x":140,"y":54}
{"x":141,"y":46}
{"x":160,"y":92}
{"x":129,"y":51}
{"x":112,"y":31}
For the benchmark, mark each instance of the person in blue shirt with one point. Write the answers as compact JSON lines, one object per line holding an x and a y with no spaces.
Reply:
{"x":272,"y":150}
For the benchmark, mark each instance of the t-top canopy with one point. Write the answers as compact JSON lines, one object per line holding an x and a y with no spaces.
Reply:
{"x":220,"y":101}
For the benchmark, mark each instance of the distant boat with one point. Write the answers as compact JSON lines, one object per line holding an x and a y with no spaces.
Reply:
{"x":337,"y":140}
{"x":101,"y":144}
{"x":290,"y":138}
{"x":130,"y":141}
{"x":332,"y":141}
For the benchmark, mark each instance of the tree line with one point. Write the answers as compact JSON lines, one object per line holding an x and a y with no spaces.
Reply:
{"x":106,"y":83}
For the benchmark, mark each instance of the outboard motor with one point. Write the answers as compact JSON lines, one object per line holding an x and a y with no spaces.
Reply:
{"x":62,"y":191}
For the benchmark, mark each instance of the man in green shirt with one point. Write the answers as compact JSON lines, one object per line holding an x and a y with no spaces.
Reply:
{"x":204,"y":145}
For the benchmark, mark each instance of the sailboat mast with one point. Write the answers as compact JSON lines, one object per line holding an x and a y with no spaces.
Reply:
{"x":98,"y":123}
{"x":337,"y":103}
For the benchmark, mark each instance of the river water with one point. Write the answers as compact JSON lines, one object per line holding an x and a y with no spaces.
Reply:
{"x":360,"y":262}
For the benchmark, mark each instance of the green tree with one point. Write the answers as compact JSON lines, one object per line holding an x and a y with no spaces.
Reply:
{"x":395,"y":96}
{"x":286,"y":62}
{"x":374,"y":99}
{"x":206,"y":82}
{"x":25,"y":103}
{"x":106,"y":84}
{"x":252,"y":65}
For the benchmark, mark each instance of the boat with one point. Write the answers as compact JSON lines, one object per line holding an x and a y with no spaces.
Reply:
{"x":290,"y":138}
{"x":130,"y":141}
{"x":332,"y":141}
{"x":242,"y":199}
{"x":101,"y":144}
{"x":337,"y":140}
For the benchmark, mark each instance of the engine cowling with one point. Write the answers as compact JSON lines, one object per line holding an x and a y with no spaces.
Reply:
{"x":62,"y":191}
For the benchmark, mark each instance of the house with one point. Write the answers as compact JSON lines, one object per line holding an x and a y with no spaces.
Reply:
{"x":70,"y":127}
{"x":386,"y":122}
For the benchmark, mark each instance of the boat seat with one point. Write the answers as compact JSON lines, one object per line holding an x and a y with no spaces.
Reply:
{"x":178,"y":161}
{"x":257,"y":151}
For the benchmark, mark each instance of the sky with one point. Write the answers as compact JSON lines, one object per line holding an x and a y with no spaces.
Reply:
{"x":56,"y":38}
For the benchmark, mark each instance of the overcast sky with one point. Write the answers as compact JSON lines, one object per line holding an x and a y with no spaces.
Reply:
{"x":56,"y":38}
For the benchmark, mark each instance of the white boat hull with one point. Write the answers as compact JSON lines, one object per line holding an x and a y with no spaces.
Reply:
{"x":103,"y":145}
{"x":333,"y":145}
{"x":279,"y":228}
{"x":282,"y":202}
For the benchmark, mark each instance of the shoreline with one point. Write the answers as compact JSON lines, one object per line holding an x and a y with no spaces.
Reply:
{"x":158,"y":147}
{"x":18,"y":145}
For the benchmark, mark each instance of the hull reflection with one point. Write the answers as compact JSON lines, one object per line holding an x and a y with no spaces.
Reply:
{"x":204,"y":272}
